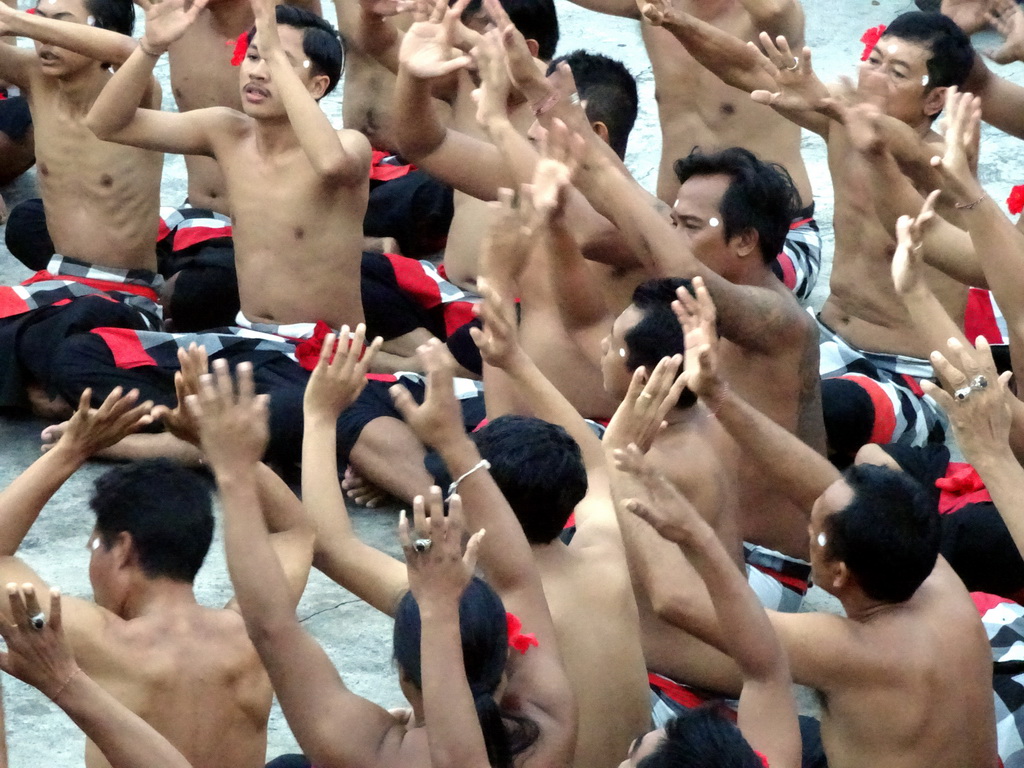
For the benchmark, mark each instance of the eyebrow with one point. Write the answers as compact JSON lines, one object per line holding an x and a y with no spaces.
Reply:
{"x":61,"y":15}
{"x":633,"y":748}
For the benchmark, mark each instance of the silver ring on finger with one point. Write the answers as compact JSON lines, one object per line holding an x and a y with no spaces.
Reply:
{"x":38,"y":621}
{"x":979,"y":382}
{"x":962,"y":393}
{"x":422,"y":545}
{"x":796,"y":64}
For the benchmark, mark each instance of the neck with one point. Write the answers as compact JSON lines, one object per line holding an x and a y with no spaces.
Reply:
{"x":860,"y":607}
{"x":79,"y":91}
{"x":161,"y":595}
{"x":275,"y":135}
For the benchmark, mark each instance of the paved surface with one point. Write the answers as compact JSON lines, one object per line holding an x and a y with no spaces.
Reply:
{"x":356,"y":637}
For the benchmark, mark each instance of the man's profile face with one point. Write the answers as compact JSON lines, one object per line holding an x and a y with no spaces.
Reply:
{"x":905,"y":66}
{"x":59,"y":62}
{"x":835,"y":498}
{"x":697,"y":218}
{"x":642,"y":747}
{"x":260,"y":96}
{"x":614,"y":353}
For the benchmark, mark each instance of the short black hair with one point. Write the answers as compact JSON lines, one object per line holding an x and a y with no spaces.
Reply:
{"x":609,"y":91}
{"x":539,"y":469}
{"x":657,"y":333}
{"x":704,"y":737}
{"x":536,"y":19}
{"x":888,"y":535}
{"x":761,"y":196}
{"x":321,"y":42}
{"x":165,"y":507}
{"x":952,"y":53}
{"x":115,"y":15}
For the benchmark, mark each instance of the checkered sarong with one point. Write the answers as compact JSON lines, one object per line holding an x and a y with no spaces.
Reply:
{"x":903,"y":413}
{"x":1004,"y":624}
{"x":187,"y":227}
{"x":800,"y":260}
{"x":66,"y":279}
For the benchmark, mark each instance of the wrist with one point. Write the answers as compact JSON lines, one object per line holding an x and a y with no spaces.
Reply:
{"x":151,"y":49}
{"x":459,"y":454}
{"x":70,"y":453}
{"x":442,"y":607}
{"x":233,"y":475}
{"x":70,"y":685}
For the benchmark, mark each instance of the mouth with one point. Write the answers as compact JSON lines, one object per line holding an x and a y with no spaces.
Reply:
{"x":254,"y":94}
{"x":48,"y":57}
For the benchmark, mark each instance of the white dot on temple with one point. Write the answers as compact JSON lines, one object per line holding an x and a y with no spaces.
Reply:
{"x":712,"y":222}
{"x":821,"y":539}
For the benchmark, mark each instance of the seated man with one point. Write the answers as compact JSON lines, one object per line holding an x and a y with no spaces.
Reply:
{"x":102,"y":199}
{"x":189,"y":671}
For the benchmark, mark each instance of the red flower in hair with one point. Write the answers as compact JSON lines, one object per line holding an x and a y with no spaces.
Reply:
{"x":241,"y":44}
{"x":1015,"y":202}
{"x":870,"y":40}
{"x":764,"y":759}
{"x":516,"y":638}
{"x":31,"y":10}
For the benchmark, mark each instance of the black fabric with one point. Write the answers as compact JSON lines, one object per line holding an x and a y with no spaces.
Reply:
{"x":15,"y":119}
{"x":26,"y":235}
{"x":389,"y":311}
{"x":203,"y":291}
{"x":289,"y":761}
{"x":464,"y":349}
{"x":849,"y":418}
{"x":415,"y":209}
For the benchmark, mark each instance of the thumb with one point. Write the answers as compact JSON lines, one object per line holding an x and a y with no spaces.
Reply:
{"x":403,"y":401}
{"x":473,"y":549}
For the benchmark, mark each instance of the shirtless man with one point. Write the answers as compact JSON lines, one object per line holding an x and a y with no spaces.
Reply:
{"x":911,"y":651}
{"x":190,"y":671}
{"x":102,"y":199}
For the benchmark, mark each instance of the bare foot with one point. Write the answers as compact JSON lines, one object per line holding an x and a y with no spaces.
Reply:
{"x":46,"y":407}
{"x":363,"y":492}
{"x":159,"y":445}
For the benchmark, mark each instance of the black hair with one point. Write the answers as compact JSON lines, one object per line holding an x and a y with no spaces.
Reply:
{"x":609,"y":91}
{"x":702,"y":738}
{"x":484,"y":631}
{"x":167,"y":510}
{"x":321,"y":42}
{"x":888,"y":535}
{"x":536,"y":19}
{"x":849,"y":415}
{"x":115,"y":15}
{"x":952,"y":53}
{"x":761,"y":196}
{"x":657,"y":333}
{"x":538,"y":468}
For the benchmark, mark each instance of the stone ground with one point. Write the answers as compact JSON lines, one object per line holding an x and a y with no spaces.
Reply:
{"x":356,"y":637}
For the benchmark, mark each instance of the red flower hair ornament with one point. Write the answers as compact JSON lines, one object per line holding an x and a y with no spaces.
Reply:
{"x":241,"y":44}
{"x":1015,"y":202}
{"x":870,"y":40}
{"x":521,"y":642}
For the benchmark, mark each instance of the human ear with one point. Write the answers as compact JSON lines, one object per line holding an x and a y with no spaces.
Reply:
{"x":934,"y":101}
{"x":534,"y":47}
{"x":601,"y":130}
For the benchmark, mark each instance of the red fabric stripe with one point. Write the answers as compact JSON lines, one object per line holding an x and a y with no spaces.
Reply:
{"x":11,"y":304}
{"x":570,"y":522}
{"x":885,"y":415}
{"x":387,"y":172}
{"x":411,"y":278}
{"x":912,"y":384}
{"x":980,"y":317}
{"x":800,"y":585}
{"x":125,"y":345}
{"x":162,"y":231}
{"x":788,"y":270}
{"x":985,"y":602}
{"x":678,"y":693}
{"x":798,"y":224}
{"x":456,"y":315}
{"x":389,"y":378}
{"x":99,"y":285}
{"x":186,"y":237}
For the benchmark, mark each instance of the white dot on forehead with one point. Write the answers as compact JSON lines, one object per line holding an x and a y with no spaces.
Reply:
{"x":821,"y":539}
{"x":892,"y":49}
{"x":713,"y":222}
{"x":622,"y":352}
{"x":305,"y":63}
{"x":924,"y":81}
{"x":95,"y":543}
{"x":91,"y":21}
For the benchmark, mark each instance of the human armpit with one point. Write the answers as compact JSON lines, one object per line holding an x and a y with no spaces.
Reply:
{"x":182,"y":133}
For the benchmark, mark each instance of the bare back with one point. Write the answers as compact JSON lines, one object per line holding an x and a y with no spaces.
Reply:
{"x":193,"y":674}
{"x":298,"y":239}
{"x":863,"y":306}
{"x":930,"y":684}
{"x":696,"y":109}
{"x":102,"y":200}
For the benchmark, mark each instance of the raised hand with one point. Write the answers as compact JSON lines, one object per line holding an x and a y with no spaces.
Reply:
{"x":232,"y":419}
{"x":522,"y":67}
{"x":495,"y":85}
{"x":962,"y":123}
{"x":667,"y":511}
{"x":698,"y":319}
{"x":381,"y":8}
{"x":90,"y":430}
{"x":428,"y":48}
{"x":37,"y":653}
{"x":337,"y":382}
{"x":438,"y":421}
{"x":179,"y":422}
{"x":970,"y":15}
{"x":438,"y":569}
{"x":974,"y":396}
{"x":654,"y":10}
{"x":1006,"y":17}
{"x":167,"y":21}
{"x":498,"y":340}
{"x":507,"y":242}
{"x":908,"y":260}
{"x":799,"y":89}
{"x":641,"y":414}
{"x":552,"y":178}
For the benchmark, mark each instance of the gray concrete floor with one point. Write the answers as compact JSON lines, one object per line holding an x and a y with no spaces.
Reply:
{"x":356,"y":637}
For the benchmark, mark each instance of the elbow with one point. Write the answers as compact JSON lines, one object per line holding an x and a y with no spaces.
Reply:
{"x":269,"y":632}
{"x":101,"y":129}
{"x":671,"y":606}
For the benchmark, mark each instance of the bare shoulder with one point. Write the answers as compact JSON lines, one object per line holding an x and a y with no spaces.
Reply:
{"x":356,"y":142}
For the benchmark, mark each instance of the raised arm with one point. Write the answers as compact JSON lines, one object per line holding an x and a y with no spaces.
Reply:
{"x":334,"y":727}
{"x":116,"y":115}
{"x":337,"y":159}
{"x":42,"y":658}
{"x":368,"y":573}
{"x":767,"y":709}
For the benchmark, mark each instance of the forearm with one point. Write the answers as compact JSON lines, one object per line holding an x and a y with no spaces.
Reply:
{"x":123,"y":737}
{"x":449,"y":711}
{"x":418,"y":131}
{"x":1001,"y":248}
{"x":930,"y":318}
{"x":291,"y":532}
{"x":571,"y":275}
{"x":102,"y":45}
{"x":22,"y":501}
{"x":518,"y":155}
{"x":796,"y":468}
{"x":727,"y":57}
{"x":119,"y":100}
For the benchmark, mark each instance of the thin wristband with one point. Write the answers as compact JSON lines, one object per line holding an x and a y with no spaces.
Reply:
{"x":454,"y":487}
{"x":968,"y":206}
{"x":64,"y":685}
{"x":544,"y":105}
{"x":145,"y":50}
{"x":716,"y":404}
